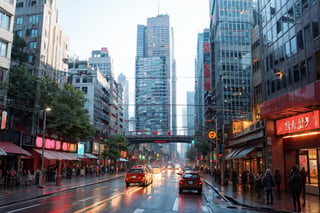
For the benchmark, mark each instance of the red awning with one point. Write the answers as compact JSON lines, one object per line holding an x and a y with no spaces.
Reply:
{"x":298,"y":101}
{"x":10,"y":147}
{"x":55,"y":155}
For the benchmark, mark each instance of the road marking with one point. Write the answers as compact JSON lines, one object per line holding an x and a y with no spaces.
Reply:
{"x":28,"y":207}
{"x":86,"y":199}
{"x":138,"y":211}
{"x":176,"y":205}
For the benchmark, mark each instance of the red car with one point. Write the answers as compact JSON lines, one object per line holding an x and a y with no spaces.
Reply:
{"x":190,"y":181}
{"x":139,"y":176}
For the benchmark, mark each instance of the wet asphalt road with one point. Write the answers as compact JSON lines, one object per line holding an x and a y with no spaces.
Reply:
{"x":161,"y":196}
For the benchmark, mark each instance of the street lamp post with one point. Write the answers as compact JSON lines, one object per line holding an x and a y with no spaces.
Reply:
{"x":41,"y":178}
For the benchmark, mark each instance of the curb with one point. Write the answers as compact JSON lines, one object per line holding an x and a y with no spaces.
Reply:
{"x":62,"y":190}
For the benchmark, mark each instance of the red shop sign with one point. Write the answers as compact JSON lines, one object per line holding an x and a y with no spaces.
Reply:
{"x":298,"y":123}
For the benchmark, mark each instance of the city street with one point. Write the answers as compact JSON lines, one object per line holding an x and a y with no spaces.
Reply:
{"x":113,"y":196}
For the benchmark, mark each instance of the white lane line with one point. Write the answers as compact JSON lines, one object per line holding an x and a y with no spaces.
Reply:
{"x":86,"y":199}
{"x":205,"y":209}
{"x":28,"y":207}
{"x":138,"y":211}
{"x":176,"y":205}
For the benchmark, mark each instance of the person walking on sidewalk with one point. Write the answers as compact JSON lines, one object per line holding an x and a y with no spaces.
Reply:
{"x":244,"y":179}
{"x":234,"y":179}
{"x":258,"y":183}
{"x":268,"y":184}
{"x":304,"y":180}
{"x":277,"y":179}
{"x":295,"y":186}
{"x":251,"y":181}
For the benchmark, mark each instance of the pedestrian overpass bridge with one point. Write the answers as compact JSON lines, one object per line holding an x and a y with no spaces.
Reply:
{"x":141,"y":139}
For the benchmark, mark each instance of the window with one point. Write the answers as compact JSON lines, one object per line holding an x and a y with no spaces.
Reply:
{"x":293,"y":44}
{"x":84,"y":90}
{"x":34,"y":19}
{"x":19,"y":33}
{"x":303,"y":70}
{"x":77,"y":80}
{"x":296,"y":76}
{"x":20,"y":20}
{"x":33,"y":45}
{"x":307,"y":34}
{"x":19,"y":4}
{"x":4,"y":20}
{"x":300,"y":40}
{"x":30,"y":58}
{"x":315,"y":28}
{"x":3,"y":48}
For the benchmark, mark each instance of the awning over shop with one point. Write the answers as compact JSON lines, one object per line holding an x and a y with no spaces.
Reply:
{"x":80,"y":156}
{"x":89,"y":155}
{"x":54,"y":155}
{"x":122,"y":160}
{"x":242,"y":152}
{"x":9,"y":147}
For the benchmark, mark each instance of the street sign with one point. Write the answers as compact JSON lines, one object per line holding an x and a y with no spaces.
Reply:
{"x":212,"y":134}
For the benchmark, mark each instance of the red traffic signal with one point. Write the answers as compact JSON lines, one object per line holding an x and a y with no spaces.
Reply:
{"x":169,"y":133}
{"x":155,"y":132}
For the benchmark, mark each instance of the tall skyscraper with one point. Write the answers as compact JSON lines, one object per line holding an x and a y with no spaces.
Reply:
{"x":190,"y":113}
{"x":231,"y":71}
{"x":155,"y":95}
{"x":47,"y":44}
{"x":154,"y":74}
{"x":125,"y":84}
{"x":102,"y":60}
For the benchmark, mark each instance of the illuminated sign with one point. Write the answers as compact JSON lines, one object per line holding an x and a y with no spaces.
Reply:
{"x":80,"y":148}
{"x":56,"y":145}
{"x":212,"y":134}
{"x":298,"y":123}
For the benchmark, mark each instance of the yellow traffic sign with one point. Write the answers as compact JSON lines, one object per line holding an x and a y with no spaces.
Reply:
{"x":212,"y":134}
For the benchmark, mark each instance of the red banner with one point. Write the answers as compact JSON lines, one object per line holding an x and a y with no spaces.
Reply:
{"x":299,"y":123}
{"x":206,"y":47}
{"x":207,"y":84}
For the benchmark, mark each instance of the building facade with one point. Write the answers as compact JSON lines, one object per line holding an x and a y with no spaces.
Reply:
{"x":47,"y":43}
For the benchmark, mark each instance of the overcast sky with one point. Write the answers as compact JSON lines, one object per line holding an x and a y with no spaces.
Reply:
{"x":92,"y":24}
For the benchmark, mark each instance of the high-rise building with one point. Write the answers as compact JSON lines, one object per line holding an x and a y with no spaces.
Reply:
{"x":231,"y":72}
{"x":125,"y":84}
{"x":47,"y":43}
{"x":101,"y":59}
{"x":190,"y":113}
{"x":6,"y":37}
{"x":155,"y":98}
{"x":154,"y":63}
{"x":202,"y":74}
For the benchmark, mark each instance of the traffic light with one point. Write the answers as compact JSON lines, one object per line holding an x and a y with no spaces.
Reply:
{"x":192,"y":142}
{"x":155,"y":132}
{"x":169,"y":133}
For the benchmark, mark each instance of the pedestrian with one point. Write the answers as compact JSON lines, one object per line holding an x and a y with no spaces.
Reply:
{"x":251,"y":181}
{"x":258,"y":183}
{"x":30,"y":178}
{"x":226,"y":177}
{"x":97,"y":171}
{"x":234,"y":179}
{"x":304,"y":180}
{"x":277,"y":179}
{"x":268,"y":184}
{"x":295,"y":186}
{"x":244,"y":178}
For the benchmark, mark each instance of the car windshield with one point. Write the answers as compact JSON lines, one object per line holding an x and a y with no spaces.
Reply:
{"x":131,"y":171}
{"x":191,"y":175}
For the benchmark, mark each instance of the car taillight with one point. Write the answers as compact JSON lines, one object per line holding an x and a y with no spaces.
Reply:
{"x":181,"y":181}
{"x":200,"y":182}
{"x":127,"y":174}
{"x":143,"y":174}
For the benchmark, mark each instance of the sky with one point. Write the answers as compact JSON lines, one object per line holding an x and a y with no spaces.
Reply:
{"x":92,"y":24}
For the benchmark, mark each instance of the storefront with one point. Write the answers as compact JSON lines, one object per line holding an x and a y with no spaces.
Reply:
{"x":301,"y":140}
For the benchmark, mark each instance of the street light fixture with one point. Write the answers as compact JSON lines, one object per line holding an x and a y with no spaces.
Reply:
{"x":41,"y":178}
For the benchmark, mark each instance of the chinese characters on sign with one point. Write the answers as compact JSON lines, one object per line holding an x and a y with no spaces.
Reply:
{"x":302,"y":122}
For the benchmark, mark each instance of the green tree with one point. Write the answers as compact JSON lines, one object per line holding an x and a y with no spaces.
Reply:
{"x":191,"y":154}
{"x":202,"y":146}
{"x":115,"y":144}
{"x":18,"y":53}
{"x":68,"y":119}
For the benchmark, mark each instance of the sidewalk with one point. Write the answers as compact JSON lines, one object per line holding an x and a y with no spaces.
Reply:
{"x":250,"y":199}
{"x":9,"y":195}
